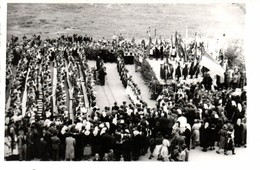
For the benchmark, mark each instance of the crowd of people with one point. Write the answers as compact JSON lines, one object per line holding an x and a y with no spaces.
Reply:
{"x":132,"y":89}
{"x":185,"y":117}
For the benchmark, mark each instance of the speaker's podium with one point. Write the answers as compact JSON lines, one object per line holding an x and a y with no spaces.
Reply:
{"x":128,"y":57}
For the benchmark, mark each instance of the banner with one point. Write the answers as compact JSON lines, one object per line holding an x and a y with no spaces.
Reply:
{"x":212,"y":65}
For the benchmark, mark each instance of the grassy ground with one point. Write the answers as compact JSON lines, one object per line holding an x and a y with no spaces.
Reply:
{"x":132,"y":20}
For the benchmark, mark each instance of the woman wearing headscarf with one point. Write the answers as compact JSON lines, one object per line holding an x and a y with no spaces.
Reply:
{"x":184,"y":153}
{"x":229,"y":143}
{"x":7,"y":149}
{"x":244,"y":133}
{"x":238,"y":131}
{"x":136,"y":149}
{"x":212,"y":136}
{"x":158,"y":144}
{"x":97,"y":157}
{"x":222,"y":138}
{"x":187,"y":134}
{"x":14,"y":144}
{"x":195,"y":133}
{"x":164,"y":152}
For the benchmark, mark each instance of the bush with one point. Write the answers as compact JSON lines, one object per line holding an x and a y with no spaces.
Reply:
{"x":235,"y":53}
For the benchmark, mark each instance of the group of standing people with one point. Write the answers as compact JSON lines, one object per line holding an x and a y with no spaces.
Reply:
{"x":132,"y":88}
{"x":184,"y":118}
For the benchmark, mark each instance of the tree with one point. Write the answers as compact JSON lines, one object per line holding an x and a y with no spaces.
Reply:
{"x":235,"y":53}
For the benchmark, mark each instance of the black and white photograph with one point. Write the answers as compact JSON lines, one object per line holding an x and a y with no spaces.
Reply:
{"x":132,"y":82}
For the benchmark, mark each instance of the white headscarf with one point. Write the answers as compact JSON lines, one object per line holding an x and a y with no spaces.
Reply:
{"x":238,"y":121}
{"x":233,"y":103}
{"x":206,"y":125}
{"x":114,"y":121}
{"x":103,"y":130}
{"x":239,"y":107}
{"x":95,"y":132}
{"x":63,"y":130}
{"x":136,"y":132}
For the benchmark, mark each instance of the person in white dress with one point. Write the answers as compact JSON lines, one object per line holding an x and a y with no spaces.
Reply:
{"x":164,"y":149}
{"x":195,"y":133}
{"x":70,"y":144}
{"x":8,"y":148}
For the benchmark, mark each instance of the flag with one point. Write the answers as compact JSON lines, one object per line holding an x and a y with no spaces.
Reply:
{"x":212,"y":65}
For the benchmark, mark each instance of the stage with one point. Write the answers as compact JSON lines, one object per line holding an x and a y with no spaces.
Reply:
{"x":156,"y":66}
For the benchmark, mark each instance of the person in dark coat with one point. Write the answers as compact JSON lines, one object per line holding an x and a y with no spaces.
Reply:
{"x":55,"y":147}
{"x":127,"y":147}
{"x":79,"y":146}
{"x":118,"y":146}
{"x":115,"y":107}
{"x":152,"y":146}
{"x":185,"y":71}
{"x":161,"y":52}
{"x":178,"y":72}
{"x":207,"y":82}
{"x":238,"y":133}
{"x":163,"y":124}
{"x":212,"y":136}
{"x":187,"y":134}
{"x":105,"y":142}
{"x":191,"y":70}
{"x":102,"y":74}
{"x":29,"y":142}
{"x":204,"y":136}
{"x":136,"y":150}
{"x":196,"y":69}
{"x":45,"y":145}
{"x":98,"y":63}
{"x":157,"y":53}
{"x":170,"y":72}
{"x":162,"y":72}
{"x":229,"y":144}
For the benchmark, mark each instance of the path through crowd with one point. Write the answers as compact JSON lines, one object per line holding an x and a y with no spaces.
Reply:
{"x":143,"y":86}
{"x":113,"y":91}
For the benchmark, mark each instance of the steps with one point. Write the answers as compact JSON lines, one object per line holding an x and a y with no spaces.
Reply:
{"x":40,"y":104}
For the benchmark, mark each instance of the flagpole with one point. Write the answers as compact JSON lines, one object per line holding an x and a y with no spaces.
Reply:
{"x":176,"y":43}
{"x":149,"y":34}
{"x":186,"y":41}
{"x":196,"y":45}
